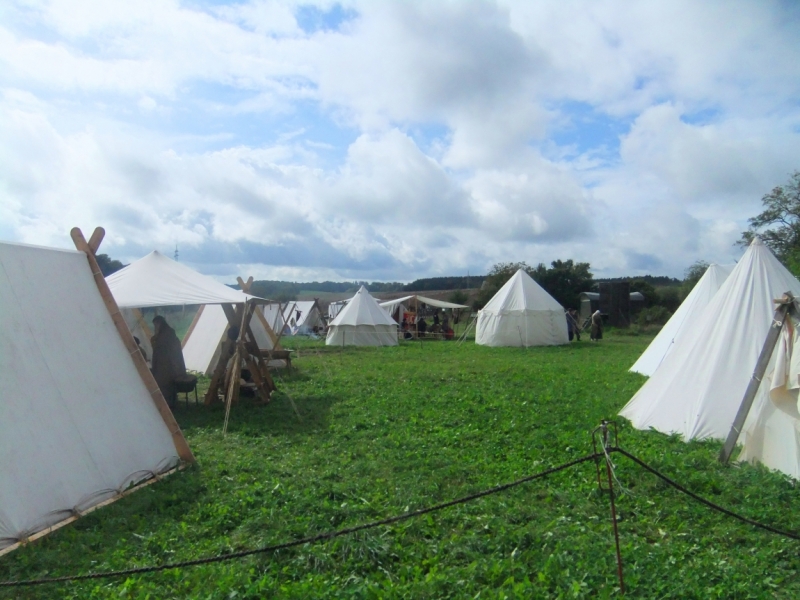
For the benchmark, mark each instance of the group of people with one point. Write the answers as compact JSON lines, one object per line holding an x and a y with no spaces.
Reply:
{"x":440,"y":325}
{"x":574,"y":328}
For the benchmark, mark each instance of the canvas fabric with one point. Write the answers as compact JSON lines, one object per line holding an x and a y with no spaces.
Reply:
{"x":156,"y":280}
{"x":77,"y":424}
{"x":203,"y":345}
{"x":697,"y":390}
{"x":686,"y":318}
{"x":362,"y":322}
{"x":521,"y":313}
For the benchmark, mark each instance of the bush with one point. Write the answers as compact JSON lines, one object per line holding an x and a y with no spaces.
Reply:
{"x":655,"y":315}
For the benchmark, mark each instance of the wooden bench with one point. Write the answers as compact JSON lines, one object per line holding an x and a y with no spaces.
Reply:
{"x":278,"y":355}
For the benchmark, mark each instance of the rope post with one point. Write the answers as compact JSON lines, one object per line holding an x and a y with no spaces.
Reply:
{"x":606,"y":432}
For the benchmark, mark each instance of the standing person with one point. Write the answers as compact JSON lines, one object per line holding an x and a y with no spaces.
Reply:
{"x":597,"y":326}
{"x":167,"y":361}
{"x":573,"y":327}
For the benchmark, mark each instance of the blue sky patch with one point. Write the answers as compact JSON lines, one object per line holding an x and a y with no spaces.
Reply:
{"x":312,"y":19}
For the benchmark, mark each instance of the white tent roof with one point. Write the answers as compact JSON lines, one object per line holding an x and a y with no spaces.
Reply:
{"x":521,"y":294}
{"x":698,"y":388}
{"x":686,"y":318}
{"x":156,"y":280}
{"x":390,"y":304}
{"x":362,"y":309}
{"x":77,"y":424}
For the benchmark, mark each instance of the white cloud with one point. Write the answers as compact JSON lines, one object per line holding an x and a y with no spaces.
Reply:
{"x":407,"y":141}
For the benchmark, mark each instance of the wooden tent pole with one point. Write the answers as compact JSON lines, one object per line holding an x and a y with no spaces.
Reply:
{"x":246,"y":285}
{"x":192,"y":325}
{"x":222,"y":364}
{"x":149,"y":381}
{"x":778,"y":319}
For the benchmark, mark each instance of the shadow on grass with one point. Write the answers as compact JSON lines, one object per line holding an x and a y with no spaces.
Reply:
{"x":259,"y":420}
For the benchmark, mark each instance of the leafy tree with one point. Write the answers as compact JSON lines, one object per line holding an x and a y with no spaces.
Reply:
{"x":778,"y":225}
{"x":108,"y":265}
{"x":564,"y":280}
{"x":458,"y":297}
{"x":645,"y":289}
{"x":669,"y":298}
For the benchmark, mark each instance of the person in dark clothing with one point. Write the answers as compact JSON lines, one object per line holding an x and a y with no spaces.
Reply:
{"x":167,"y":361}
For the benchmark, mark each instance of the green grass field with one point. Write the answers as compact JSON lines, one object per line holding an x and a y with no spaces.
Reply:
{"x":392,"y":429}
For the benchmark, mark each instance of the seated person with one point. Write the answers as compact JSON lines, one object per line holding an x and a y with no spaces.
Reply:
{"x":167,"y":363}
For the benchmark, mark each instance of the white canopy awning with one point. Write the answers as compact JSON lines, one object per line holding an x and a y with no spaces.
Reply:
{"x":156,"y":280}
{"x":429,"y":301}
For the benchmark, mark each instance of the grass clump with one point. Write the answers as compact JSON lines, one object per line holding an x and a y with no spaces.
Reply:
{"x":386,"y":430}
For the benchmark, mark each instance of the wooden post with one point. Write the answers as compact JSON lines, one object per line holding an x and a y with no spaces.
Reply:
{"x":192,"y":325}
{"x":246,"y":285}
{"x":90,"y":249}
{"x":778,"y":319}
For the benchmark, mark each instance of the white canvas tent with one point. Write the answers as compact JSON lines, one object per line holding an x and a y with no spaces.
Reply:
{"x":362,"y":323}
{"x":156,"y":280}
{"x":296,"y":317}
{"x":81,"y":418}
{"x":686,"y":318}
{"x":699,"y":386}
{"x":203,"y":342}
{"x":521,"y":313}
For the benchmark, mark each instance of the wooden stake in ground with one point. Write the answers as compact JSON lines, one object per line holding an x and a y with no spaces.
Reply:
{"x":90,"y":249}
{"x":785,"y":305}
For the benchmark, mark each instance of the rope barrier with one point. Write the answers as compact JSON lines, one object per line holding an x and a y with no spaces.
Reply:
{"x":605,"y":454}
{"x":307,"y":540}
{"x":708,"y":503}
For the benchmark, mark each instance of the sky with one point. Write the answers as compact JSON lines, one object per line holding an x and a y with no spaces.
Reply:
{"x":391,"y":141}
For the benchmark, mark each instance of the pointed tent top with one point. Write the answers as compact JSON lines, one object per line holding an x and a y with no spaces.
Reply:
{"x":363,"y":309}
{"x":685,"y":320}
{"x":756,"y":241}
{"x":156,"y":280}
{"x":697,"y":389}
{"x":521,"y":293}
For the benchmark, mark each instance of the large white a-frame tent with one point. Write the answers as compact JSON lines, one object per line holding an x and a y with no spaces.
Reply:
{"x":686,"y":318}
{"x":362,"y":323}
{"x":697,"y":390}
{"x":521,"y":313}
{"x":81,"y":418}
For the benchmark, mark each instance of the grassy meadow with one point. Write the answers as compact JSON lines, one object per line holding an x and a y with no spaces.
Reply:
{"x":393,"y":429}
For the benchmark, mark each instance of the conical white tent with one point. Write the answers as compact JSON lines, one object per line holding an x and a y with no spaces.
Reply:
{"x":77,"y":422}
{"x":156,"y":280}
{"x":521,"y":313}
{"x":699,"y":386}
{"x":686,"y":318}
{"x":362,"y":323}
